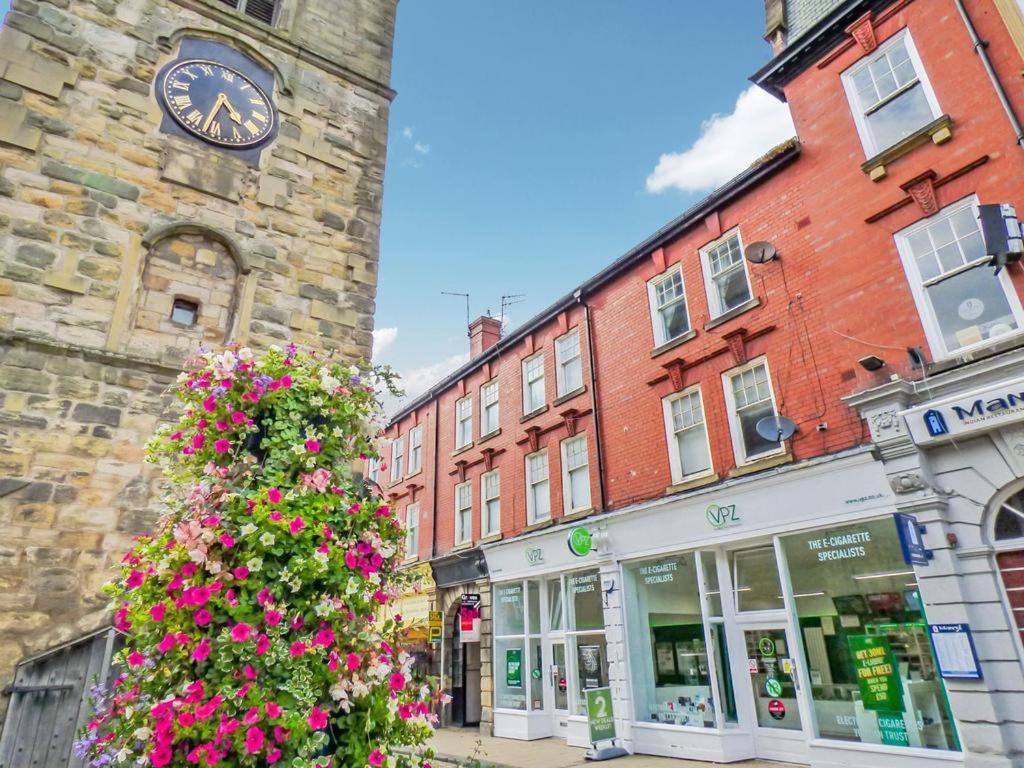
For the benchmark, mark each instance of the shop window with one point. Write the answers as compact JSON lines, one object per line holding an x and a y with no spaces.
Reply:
{"x":725,"y":275}
{"x":962,"y":302}
{"x":857,"y":601}
{"x":755,"y":578}
{"x":889,"y":94}
{"x":668,"y":646}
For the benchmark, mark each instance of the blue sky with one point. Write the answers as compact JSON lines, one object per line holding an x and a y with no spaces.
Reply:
{"x":522,"y":141}
{"x":532,"y":142}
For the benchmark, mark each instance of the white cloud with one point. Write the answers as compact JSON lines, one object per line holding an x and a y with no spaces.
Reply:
{"x":383,"y":338}
{"x":727,"y":144}
{"x":407,"y":132}
{"x":423,"y":149}
{"x":418,"y":380}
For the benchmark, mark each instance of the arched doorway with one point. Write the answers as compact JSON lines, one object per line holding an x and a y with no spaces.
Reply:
{"x":1008,"y":536}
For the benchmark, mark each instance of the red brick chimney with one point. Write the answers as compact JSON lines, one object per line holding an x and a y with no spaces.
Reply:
{"x":484,"y":333}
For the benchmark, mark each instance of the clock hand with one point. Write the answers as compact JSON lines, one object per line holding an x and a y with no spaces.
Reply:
{"x":221,"y":98}
{"x":233,"y":113}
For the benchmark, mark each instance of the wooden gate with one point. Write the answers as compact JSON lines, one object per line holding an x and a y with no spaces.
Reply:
{"x":49,"y":701}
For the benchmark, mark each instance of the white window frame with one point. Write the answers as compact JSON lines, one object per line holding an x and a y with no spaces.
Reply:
{"x":412,"y":531}
{"x":715,"y":309}
{"x":567,"y":502}
{"x":397,"y":457}
{"x":528,"y":405}
{"x":561,"y":363}
{"x":657,"y":323}
{"x":461,"y":536}
{"x":735,"y":430}
{"x":485,"y":394}
{"x":415,"y":450}
{"x":932,"y":328}
{"x":674,"y":459}
{"x":867,"y":139}
{"x":531,"y":512}
{"x":463,"y":415}
{"x":485,"y":528}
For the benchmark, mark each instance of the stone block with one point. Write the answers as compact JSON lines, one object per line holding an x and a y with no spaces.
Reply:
{"x":91,"y":179}
{"x":24,"y":380}
{"x":29,"y":25}
{"x":15,"y":130}
{"x":219,"y":176}
{"x":87,"y":413}
{"x":35,"y":255}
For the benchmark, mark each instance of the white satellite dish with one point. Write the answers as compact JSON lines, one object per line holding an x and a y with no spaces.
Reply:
{"x":775,"y":428}
{"x":760,"y":252}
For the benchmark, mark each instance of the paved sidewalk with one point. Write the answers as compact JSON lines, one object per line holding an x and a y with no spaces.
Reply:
{"x":456,"y":745}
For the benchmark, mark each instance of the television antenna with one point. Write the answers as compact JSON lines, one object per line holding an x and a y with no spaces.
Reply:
{"x":507,"y":301}
{"x":466,"y":297}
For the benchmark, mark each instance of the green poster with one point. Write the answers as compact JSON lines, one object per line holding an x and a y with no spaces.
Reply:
{"x":893,"y":729}
{"x":599,"y":714}
{"x":879,"y":681}
{"x":514,"y":667}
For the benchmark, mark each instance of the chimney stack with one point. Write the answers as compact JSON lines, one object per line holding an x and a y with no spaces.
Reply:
{"x":484,"y":333}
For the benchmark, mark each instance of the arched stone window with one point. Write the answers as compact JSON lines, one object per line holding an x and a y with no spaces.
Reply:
{"x":188,"y":294}
{"x":1008,"y":533}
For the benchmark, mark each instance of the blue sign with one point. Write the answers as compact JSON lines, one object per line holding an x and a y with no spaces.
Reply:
{"x":914,"y":550}
{"x":955,"y":653}
{"x":935,"y":423}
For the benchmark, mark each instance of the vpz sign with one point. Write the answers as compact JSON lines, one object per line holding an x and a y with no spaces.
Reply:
{"x":720,"y":516}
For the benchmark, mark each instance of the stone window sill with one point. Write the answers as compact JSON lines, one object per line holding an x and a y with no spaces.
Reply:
{"x":570,"y":395}
{"x":734,"y":312}
{"x":660,"y":350}
{"x":539,"y":526}
{"x":768,"y":462}
{"x":411,"y":560}
{"x":462,"y":547}
{"x":411,"y":475}
{"x":577,"y":515}
{"x":939,"y":131}
{"x":696,"y":482}
{"x":463,"y":449}
{"x":533,"y":414}
{"x":491,"y":537}
{"x":489,"y":435}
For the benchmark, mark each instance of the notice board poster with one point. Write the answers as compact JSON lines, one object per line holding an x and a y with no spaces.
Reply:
{"x":877,"y":676}
{"x":514,"y":667}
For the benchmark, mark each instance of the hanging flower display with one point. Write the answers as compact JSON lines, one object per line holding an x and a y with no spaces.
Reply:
{"x":251,"y":614}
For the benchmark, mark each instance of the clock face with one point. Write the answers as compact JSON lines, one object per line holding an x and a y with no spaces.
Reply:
{"x":218,"y":104}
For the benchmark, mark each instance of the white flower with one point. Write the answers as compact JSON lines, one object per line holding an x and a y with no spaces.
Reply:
{"x":267,"y":539}
{"x":255,"y":564}
{"x":248,"y":529}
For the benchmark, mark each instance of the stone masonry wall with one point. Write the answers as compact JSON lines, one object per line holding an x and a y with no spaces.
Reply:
{"x":105,"y":219}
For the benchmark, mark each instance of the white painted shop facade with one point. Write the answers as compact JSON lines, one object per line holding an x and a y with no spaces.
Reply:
{"x":730,"y":624}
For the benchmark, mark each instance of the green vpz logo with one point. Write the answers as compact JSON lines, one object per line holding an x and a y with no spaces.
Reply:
{"x":720,"y":516}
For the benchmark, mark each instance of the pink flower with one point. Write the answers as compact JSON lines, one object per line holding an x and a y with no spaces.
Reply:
{"x":324,"y":637}
{"x":121,"y":619}
{"x":397,"y":682}
{"x":252,"y":716}
{"x":241,"y":573}
{"x":317,"y":718}
{"x":238,"y":417}
{"x":297,"y":648}
{"x":262,"y":645}
{"x":274,"y":495}
{"x":158,"y":611}
{"x":185,"y":719}
{"x":352,"y":661}
{"x":227,"y":540}
{"x":136,"y":659}
{"x":351,"y":561}
{"x":222,"y":446}
{"x":273,"y":755}
{"x":168,"y":643}
{"x":210,"y":404}
{"x":273,"y":710}
{"x":240,"y":632}
{"x":201,"y":651}
{"x":272,"y":617}
{"x":221,"y":425}
{"x":317,"y":480}
{"x":202,"y":617}
{"x":376,"y":758}
{"x":254,"y":740}
{"x":135,"y":579}
{"x":296,"y":525}
{"x":249,"y":672}
{"x":286,"y":381}
{"x":313,"y":446}
{"x":198,"y":440}
{"x":276,"y":516}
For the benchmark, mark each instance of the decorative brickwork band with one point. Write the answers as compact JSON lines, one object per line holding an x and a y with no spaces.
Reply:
{"x":863,"y":31}
{"x":922,"y":191}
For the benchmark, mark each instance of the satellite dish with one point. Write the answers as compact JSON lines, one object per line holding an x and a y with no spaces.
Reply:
{"x":760,"y":252}
{"x":775,"y":428}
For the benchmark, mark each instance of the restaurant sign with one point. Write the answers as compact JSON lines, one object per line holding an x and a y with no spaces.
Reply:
{"x":967,"y":414}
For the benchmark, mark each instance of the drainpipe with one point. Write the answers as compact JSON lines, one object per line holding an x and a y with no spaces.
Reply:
{"x":593,"y":400}
{"x":980,"y":48}
{"x":433,"y":495}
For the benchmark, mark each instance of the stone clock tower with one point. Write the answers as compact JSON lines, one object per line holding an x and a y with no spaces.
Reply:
{"x":172,"y":173}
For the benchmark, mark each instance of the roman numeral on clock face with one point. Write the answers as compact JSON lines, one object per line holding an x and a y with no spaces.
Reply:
{"x":194,"y":117}
{"x":179,"y":86}
{"x":181,"y":102}
{"x":252,"y":127}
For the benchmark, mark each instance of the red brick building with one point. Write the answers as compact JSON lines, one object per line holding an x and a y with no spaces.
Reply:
{"x":727,"y":578}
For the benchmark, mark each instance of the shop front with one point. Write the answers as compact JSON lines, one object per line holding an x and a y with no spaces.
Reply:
{"x":769,"y":617}
{"x":414,"y":606}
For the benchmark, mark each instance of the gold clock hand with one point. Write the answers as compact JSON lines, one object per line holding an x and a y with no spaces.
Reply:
{"x":233,"y":113}
{"x":221,"y":98}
